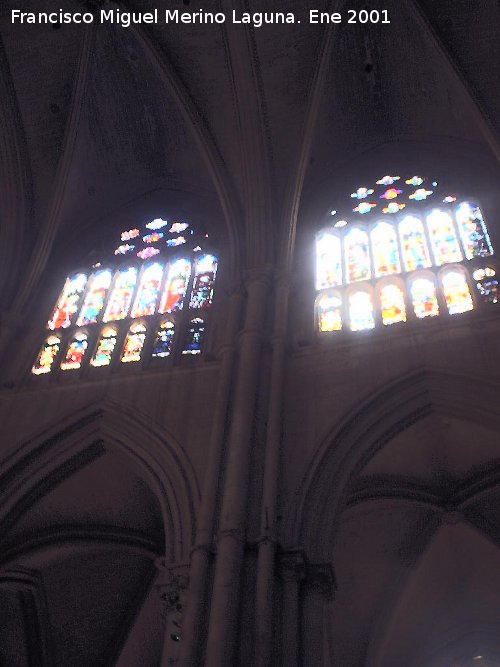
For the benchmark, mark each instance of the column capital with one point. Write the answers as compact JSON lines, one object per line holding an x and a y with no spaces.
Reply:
{"x":259,"y":274}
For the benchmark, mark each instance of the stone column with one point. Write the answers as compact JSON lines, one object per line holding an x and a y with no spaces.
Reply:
{"x":224,"y":615}
{"x":203,"y":550}
{"x":292,"y":572}
{"x":268,"y":541}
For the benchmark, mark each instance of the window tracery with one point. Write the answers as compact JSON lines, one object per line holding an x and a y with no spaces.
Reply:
{"x":136,"y":301}
{"x":408,"y":250}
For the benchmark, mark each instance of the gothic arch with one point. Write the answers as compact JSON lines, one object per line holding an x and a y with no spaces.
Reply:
{"x":353,"y":441}
{"x":41,"y":463}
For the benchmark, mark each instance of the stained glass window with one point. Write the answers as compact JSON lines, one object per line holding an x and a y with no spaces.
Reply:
{"x":423,"y":296}
{"x":456,"y":292}
{"x":329,"y":261}
{"x":121,"y":296}
{"x":95,"y":297}
{"x":487,"y":284}
{"x":105,"y":347}
{"x":68,"y":302}
{"x":47,"y":355}
{"x":413,"y":244}
{"x":75,"y":352}
{"x":175,"y":286}
{"x":361,"y":311}
{"x":134,"y":342}
{"x":385,"y":249}
{"x":330,"y":312}
{"x":205,"y":269}
{"x":392,"y":303}
{"x":147,"y":294}
{"x":357,"y":256}
{"x":194,"y":336}
{"x":443,"y":238}
{"x":473,"y":232}
{"x":349,"y":251}
{"x":164,"y":339}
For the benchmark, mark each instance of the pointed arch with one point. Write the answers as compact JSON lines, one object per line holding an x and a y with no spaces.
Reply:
{"x":346,"y":448}
{"x":41,"y":463}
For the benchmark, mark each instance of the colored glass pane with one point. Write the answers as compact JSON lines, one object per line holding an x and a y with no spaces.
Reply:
{"x":473,"y":231}
{"x":423,"y":296}
{"x":361,"y":193}
{"x":420,"y":194}
{"x":95,"y":297}
{"x":176,"y":284}
{"x":456,"y":292}
{"x":388,"y":180}
{"x":157,"y":223}
{"x":47,"y":355}
{"x":415,"y":180}
{"x":68,"y":302}
{"x":361,"y":311}
{"x":414,"y":244}
{"x":121,"y":295}
{"x":134,"y":342}
{"x":147,"y":294}
{"x":357,"y":256}
{"x":443,"y":238}
{"x":105,"y":348}
{"x":385,"y":249}
{"x":391,"y":193}
{"x":146,"y":253}
{"x":179,"y":240}
{"x":328,"y":261}
{"x":393,"y":207}
{"x":392,"y":302}
{"x":74,"y":353}
{"x":364,"y":207}
{"x":162,"y":345}
{"x":330,"y":313}
{"x":178,"y":227}
{"x":194,"y":336}
{"x":153,"y":237}
{"x":124,"y":249}
{"x":205,"y":269}
{"x":130,"y":234}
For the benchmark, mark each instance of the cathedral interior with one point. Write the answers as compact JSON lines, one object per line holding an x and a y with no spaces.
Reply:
{"x":249,"y":325}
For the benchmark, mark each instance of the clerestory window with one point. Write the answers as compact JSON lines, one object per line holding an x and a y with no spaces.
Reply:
{"x":151,"y":300}
{"x":402,"y":253}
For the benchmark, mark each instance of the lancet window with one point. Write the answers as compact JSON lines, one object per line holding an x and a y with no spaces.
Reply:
{"x":402,"y":253}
